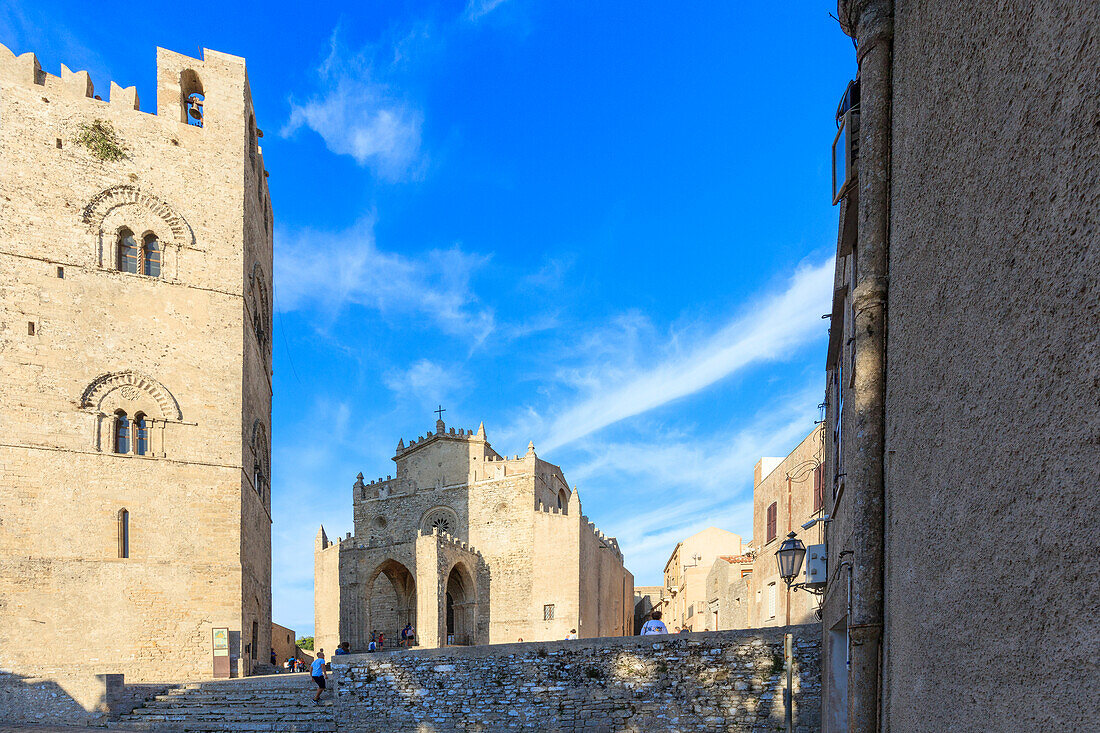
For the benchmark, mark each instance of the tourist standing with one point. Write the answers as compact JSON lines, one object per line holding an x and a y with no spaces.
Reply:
{"x":317,"y":672}
{"x":654,"y":626}
{"x":381,"y":641}
{"x":342,"y":649}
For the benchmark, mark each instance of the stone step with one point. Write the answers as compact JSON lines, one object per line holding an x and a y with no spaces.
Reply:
{"x":259,"y":711}
{"x":199,"y":726}
{"x":295,"y":703}
{"x":274,"y":697}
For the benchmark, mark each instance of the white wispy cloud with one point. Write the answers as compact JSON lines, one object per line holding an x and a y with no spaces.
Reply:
{"x":332,"y":269}
{"x":681,"y":484}
{"x":767,"y":329}
{"x":425,"y":381}
{"x":358,"y":112}
{"x":476,"y":9}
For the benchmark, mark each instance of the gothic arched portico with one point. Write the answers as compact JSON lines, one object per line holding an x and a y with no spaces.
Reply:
{"x":390,"y":603}
{"x":460,"y":606}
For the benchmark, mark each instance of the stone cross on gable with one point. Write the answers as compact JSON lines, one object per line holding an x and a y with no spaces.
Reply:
{"x":440,"y":412}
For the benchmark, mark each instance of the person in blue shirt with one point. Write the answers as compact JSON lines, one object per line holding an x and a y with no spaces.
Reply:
{"x":317,"y":671}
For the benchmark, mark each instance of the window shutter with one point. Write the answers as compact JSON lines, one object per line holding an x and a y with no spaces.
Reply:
{"x":771,"y":521}
{"x":819,"y":494}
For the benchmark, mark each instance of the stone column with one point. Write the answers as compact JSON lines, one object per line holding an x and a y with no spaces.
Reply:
{"x":431,"y":613}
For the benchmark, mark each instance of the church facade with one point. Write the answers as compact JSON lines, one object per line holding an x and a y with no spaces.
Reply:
{"x":470,"y":547}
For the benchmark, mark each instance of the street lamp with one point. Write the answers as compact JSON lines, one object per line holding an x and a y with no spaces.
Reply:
{"x":790,"y":555}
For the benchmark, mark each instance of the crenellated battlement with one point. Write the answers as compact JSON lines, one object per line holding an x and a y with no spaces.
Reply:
{"x":447,"y":539}
{"x":190,"y":91}
{"x":610,"y":542}
{"x":419,"y":441}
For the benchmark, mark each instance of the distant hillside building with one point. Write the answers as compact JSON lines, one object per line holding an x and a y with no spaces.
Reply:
{"x":685,"y":603}
{"x":135,"y":373}
{"x":647,"y":599}
{"x":470,"y":547}
{"x":729,"y":588}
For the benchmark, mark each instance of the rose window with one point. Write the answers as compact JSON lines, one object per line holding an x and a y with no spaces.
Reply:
{"x":442,"y":520}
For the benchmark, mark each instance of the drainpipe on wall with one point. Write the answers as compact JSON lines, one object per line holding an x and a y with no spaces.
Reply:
{"x":870,"y":22}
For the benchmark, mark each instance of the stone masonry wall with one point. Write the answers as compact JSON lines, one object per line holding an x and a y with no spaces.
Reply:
{"x":726,"y":680}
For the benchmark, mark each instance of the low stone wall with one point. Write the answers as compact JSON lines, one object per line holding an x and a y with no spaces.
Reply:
{"x":77,"y":699}
{"x":711,"y":681}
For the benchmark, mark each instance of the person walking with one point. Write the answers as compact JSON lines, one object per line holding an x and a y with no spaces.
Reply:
{"x":381,"y":641}
{"x":274,"y":660}
{"x":654,"y":626}
{"x":317,"y":672}
{"x":407,"y":635}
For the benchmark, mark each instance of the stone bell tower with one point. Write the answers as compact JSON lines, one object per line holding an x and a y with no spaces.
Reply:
{"x":135,"y":271}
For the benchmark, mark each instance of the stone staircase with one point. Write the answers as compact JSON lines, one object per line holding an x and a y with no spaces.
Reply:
{"x":282,"y":702}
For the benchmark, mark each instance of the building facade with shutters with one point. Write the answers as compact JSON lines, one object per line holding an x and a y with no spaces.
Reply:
{"x":787,"y":492}
{"x":745,"y":590}
{"x":469,"y":547}
{"x":135,"y":373}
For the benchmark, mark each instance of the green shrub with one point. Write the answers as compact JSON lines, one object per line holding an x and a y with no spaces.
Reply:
{"x":101,"y":140}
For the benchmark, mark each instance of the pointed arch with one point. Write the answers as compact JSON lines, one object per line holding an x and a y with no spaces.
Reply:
{"x":261,"y":307}
{"x":261,"y":454}
{"x":95,"y":393}
{"x":109,"y":199}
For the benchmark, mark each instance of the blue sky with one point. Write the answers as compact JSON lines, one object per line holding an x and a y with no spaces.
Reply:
{"x":603,"y":227}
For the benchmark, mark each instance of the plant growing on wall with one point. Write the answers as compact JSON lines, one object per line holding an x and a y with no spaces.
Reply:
{"x":101,"y":140}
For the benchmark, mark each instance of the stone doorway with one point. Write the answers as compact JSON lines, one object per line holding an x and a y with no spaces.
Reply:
{"x":461,"y":608}
{"x":391,"y":603}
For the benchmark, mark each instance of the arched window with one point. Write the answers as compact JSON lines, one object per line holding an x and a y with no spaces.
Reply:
{"x":260,"y":307}
{"x":127,"y":252}
{"x":141,"y":435}
{"x":563,"y":501}
{"x":150,"y":256}
{"x":122,"y":432}
{"x":261,"y":471}
{"x":123,"y":533}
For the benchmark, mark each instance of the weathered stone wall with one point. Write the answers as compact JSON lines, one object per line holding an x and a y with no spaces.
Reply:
{"x":68,"y":699}
{"x":993,"y":357}
{"x":992,"y":432}
{"x":715,"y":681}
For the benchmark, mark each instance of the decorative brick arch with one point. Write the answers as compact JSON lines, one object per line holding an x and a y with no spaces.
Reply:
{"x":105,"y":384}
{"x":111,"y":198}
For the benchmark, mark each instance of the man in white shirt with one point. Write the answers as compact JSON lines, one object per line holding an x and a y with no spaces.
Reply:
{"x":571,"y":635}
{"x":654,"y":626}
